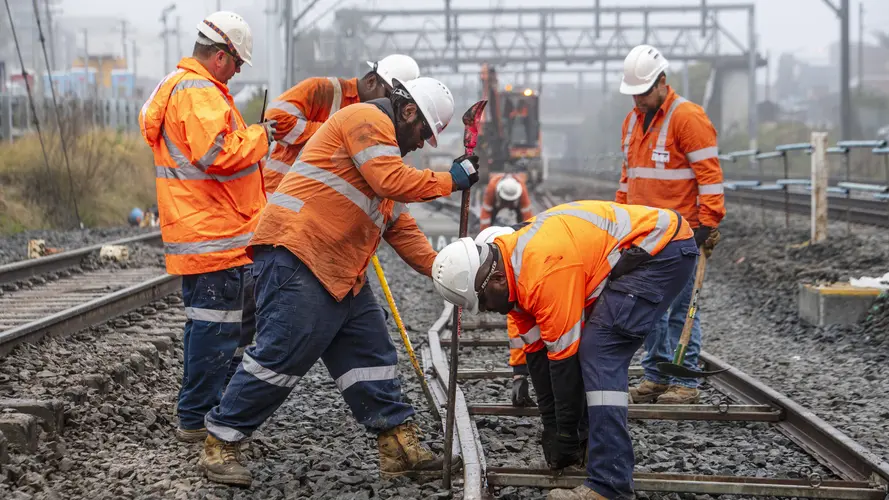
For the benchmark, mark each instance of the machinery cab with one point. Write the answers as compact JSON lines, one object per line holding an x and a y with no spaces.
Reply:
{"x":510,"y":139}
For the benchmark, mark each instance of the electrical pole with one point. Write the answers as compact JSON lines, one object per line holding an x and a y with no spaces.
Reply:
{"x":178,"y":39}
{"x":288,"y":42}
{"x":218,"y":5}
{"x":123,"y":41}
{"x":86,"y":64}
{"x":165,"y":33}
{"x":52,"y":40}
{"x":860,"y":49}
{"x":845,"y":101}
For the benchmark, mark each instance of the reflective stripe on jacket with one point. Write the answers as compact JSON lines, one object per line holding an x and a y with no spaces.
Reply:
{"x":300,"y":112}
{"x":491,"y":204}
{"x":522,"y":330}
{"x":674,"y":164}
{"x":209,"y":186}
{"x":558,"y":264}
{"x":347,"y":189}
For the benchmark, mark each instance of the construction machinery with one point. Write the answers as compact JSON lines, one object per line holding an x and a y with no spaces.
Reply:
{"x":509,"y":140}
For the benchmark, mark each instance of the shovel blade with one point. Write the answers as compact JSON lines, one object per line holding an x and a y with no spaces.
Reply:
{"x":675,"y":370}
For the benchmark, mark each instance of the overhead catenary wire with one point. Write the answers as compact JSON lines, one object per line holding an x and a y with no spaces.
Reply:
{"x":28,"y":88}
{"x":55,"y":106}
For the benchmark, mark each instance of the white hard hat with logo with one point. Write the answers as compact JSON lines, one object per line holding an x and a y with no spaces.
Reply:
{"x":398,"y":66}
{"x":434,"y":100}
{"x":642,"y":66}
{"x":509,"y":189}
{"x":229,"y":29}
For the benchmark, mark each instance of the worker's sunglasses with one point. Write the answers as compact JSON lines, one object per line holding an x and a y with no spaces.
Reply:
{"x":425,"y":131}
{"x":238,"y":61}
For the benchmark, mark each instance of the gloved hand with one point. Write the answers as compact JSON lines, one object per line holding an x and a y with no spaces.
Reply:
{"x":711,"y":242}
{"x":520,"y":396}
{"x":565,"y":452}
{"x":464,"y":172}
{"x":701,"y":234}
{"x":269,"y":126}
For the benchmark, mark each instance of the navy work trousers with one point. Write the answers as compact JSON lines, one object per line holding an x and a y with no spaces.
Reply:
{"x":248,"y":322}
{"x":623,"y":315}
{"x":213,"y":304}
{"x":299,"y":322}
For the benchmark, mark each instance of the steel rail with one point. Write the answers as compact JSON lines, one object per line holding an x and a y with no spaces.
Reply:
{"x":24,"y":269}
{"x":90,"y":313}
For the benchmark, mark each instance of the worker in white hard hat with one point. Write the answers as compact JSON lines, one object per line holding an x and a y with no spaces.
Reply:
{"x":301,"y":110}
{"x":209,"y":194}
{"x":504,"y":192}
{"x":670,"y":161}
{"x":583,"y":281}
{"x":346,"y":192}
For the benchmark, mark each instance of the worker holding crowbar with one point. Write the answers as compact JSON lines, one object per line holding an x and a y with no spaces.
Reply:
{"x":311,"y":249}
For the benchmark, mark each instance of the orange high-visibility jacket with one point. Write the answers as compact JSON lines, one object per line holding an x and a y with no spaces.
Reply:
{"x":348,"y":189}
{"x":209,"y":186}
{"x":300,"y":112}
{"x":491,"y":204}
{"x":674,"y":164}
{"x":558,"y":264}
{"x":515,"y":328}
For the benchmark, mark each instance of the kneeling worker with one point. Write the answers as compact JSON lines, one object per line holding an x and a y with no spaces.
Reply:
{"x":504,"y":192}
{"x":311,"y":249}
{"x":606,"y":268}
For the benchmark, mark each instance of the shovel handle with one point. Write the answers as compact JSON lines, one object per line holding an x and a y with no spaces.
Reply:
{"x":679,"y":355}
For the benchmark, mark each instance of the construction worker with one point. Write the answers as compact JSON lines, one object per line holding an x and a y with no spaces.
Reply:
{"x":670,"y":161}
{"x":504,"y":192}
{"x":301,"y":110}
{"x":311,"y":249}
{"x":600,"y":268}
{"x":517,"y":360}
{"x":209,"y":193}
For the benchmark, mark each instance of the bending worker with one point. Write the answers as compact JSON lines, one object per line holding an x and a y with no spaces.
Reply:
{"x":504,"y":192}
{"x":209,"y":192}
{"x":605,"y":269}
{"x":301,"y":110}
{"x":682,"y":173}
{"x":316,"y":236}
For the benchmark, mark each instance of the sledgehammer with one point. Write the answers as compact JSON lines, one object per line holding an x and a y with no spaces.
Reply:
{"x":675,"y":369}
{"x":407,"y":341}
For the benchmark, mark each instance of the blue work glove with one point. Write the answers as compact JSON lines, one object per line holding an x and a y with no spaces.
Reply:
{"x":464,"y":172}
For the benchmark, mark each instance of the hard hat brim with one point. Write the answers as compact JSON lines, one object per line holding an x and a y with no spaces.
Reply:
{"x":627,"y":89}
{"x":388,"y":81}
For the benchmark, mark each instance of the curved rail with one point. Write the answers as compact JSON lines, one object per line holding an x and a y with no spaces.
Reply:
{"x":18,"y":271}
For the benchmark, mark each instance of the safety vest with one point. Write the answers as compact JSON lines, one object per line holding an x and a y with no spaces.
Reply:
{"x":209,"y":186}
{"x":558,"y":264}
{"x":674,"y":164}
{"x":300,"y":111}
{"x":347,"y":189}
{"x":491,"y":204}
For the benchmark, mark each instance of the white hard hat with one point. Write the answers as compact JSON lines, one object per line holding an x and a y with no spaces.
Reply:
{"x":453,"y":274}
{"x":229,"y":29}
{"x":398,"y":66}
{"x":434,"y":100}
{"x":488,"y":234}
{"x":509,"y":189}
{"x":642,"y":66}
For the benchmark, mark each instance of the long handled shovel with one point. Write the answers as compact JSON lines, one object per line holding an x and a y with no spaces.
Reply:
{"x":675,"y":368}
{"x":407,"y":341}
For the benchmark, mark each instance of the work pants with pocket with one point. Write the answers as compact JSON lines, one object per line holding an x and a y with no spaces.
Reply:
{"x":622,"y":316}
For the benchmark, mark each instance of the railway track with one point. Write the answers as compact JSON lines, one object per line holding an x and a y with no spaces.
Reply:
{"x":74,"y":299}
{"x":835,"y":466}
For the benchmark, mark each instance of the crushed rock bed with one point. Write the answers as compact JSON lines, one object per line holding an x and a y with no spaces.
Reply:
{"x":14,"y":248}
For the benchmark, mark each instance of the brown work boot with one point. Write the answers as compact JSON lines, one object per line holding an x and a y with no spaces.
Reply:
{"x":647,"y":391}
{"x":222,"y":463}
{"x":579,"y":493}
{"x":402,"y":453}
{"x":678,"y":395}
{"x":191,"y":436}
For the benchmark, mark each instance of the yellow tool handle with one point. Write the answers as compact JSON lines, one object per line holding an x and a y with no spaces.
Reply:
{"x":407,"y":341}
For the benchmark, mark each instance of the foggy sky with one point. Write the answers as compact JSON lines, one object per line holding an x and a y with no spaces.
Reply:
{"x":773,"y":19}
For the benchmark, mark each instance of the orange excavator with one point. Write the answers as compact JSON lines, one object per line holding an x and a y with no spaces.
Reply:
{"x":509,"y":139}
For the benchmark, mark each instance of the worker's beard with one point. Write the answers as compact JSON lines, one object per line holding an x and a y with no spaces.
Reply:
{"x":403,"y":132}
